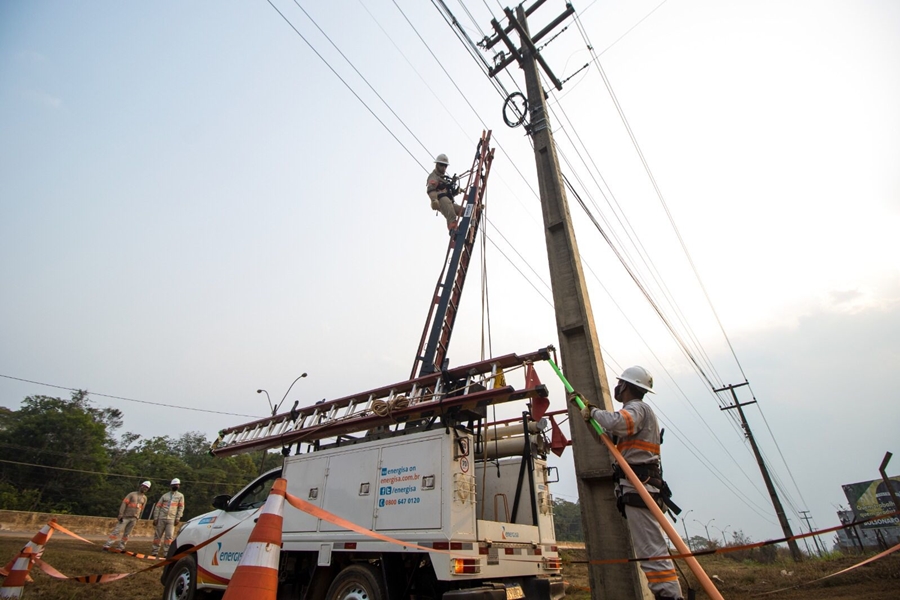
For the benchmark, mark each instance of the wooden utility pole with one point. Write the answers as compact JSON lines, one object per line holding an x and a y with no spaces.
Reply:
{"x":606,"y":532}
{"x":779,"y":510}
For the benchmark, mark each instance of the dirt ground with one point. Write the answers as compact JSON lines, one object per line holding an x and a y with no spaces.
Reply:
{"x":779,"y":581}
{"x":735,"y":580}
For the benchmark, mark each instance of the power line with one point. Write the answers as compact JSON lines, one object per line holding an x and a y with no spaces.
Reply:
{"x":688,"y":352}
{"x":349,"y":62}
{"x":677,"y":232}
{"x":24,"y":464}
{"x":59,"y":387}
{"x":465,"y":98}
{"x":352,"y":91}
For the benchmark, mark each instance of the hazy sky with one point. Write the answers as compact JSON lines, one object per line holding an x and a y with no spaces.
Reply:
{"x":194,"y":206}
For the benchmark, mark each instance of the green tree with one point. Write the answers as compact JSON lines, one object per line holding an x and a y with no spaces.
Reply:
{"x":698,"y":542}
{"x":567,"y":521}
{"x":63,"y":458}
{"x":71,"y":436}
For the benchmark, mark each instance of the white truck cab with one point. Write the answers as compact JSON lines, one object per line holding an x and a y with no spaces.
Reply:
{"x":485,"y":517}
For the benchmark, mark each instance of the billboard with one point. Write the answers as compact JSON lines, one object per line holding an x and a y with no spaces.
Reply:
{"x":871,"y":498}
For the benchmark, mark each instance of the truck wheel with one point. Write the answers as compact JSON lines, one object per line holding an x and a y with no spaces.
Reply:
{"x":357,"y":582}
{"x":182,"y":582}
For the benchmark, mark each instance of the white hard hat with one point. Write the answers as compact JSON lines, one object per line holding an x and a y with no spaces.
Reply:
{"x":146,"y":484}
{"x":638,"y":376}
{"x":441,"y":159}
{"x":176,"y":481}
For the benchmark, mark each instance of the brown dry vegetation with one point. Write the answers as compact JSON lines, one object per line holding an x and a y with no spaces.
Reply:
{"x":739,"y":580}
{"x":73,"y":558}
{"x":743,"y":580}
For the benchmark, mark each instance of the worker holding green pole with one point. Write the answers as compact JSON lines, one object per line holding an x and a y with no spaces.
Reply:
{"x":642,"y":493}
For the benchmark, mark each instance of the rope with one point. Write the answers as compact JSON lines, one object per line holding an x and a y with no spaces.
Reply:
{"x":386,"y":408}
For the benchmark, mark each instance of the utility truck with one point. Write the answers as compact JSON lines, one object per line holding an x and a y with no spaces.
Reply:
{"x":412,"y":493}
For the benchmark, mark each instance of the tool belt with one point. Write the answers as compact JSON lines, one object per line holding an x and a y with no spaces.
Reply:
{"x":649,"y":474}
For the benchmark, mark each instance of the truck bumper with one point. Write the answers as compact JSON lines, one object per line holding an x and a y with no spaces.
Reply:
{"x":535,"y":588}
{"x":482,"y":593}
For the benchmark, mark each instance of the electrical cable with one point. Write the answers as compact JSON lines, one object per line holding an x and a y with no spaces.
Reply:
{"x":444,"y":106}
{"x":635,"y":241}
{"x":59,"y":387}
{"x":500,"y":233}
{"x":700,"y":369}
{"x":24,"y":464}
{"x":349,"y":62}
{"x":352,"y":91}
{"x":503,"y":254}
{"x":434,"y":56}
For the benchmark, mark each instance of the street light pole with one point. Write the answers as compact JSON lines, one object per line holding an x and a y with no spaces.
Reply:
{"x":275,"y":411}
{"x":687,"y":538}
{"x":722,"y":531}
{"x":286,"y":393}
{"x":706,"y":527}
{"x":267,"y":398}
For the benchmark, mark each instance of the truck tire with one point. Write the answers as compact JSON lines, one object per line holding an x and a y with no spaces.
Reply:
{"x":182,"y":582}
{"x":357,"y":582}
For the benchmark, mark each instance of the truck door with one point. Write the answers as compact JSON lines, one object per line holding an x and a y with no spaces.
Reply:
{"x":221,"y":558}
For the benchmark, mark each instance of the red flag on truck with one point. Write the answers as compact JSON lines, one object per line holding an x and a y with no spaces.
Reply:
{"x":539,"y":406}
{"x":558,"y":440}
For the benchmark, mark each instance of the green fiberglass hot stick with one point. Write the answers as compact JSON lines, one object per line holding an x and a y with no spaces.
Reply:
{"x":679,"y":544}
{"x":578,"y":400}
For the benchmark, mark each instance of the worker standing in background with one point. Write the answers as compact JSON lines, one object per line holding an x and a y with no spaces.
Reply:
{"x":166,"y":515}
{"x":639,"y":440}
{"x":440,"y":190}
{"x":129,"y":513}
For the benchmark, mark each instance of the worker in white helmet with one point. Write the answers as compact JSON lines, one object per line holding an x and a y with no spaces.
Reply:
{"x":440,"y":190}
{"x":166,"y":515}
{"x":129,"y":513}
{"x":637,"y":430}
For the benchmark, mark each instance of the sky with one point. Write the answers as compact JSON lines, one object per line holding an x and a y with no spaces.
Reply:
{"x":203,"y":200}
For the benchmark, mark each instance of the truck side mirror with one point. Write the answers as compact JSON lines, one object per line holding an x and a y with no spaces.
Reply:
{"x":221,"y":501}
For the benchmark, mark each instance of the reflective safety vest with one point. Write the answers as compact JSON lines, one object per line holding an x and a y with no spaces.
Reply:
{"x":169,"y":507}
{"x":637,"y":431}
{"x":132,"y":506}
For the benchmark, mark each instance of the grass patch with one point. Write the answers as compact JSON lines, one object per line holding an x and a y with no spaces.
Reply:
{"x":748,"y":579}
{"x":74,"y":558}
{"x":735,"y":580}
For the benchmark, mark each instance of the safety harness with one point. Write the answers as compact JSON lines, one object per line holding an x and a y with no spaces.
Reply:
{"x":649,"y":474}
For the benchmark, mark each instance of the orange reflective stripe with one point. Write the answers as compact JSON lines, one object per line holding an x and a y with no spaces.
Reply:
{"x":661,"y":576}
{"x":629,"y":422}
{"x":638,"y":445}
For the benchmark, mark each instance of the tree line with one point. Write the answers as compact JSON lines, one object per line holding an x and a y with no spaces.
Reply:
{"x":62,"y":456}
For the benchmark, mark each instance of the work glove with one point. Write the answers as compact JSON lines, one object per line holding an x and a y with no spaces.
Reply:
{"x":586,"y":411}
{"x":120,"y":519}
{"x":442,"y":185}
{"x":177,"y":522}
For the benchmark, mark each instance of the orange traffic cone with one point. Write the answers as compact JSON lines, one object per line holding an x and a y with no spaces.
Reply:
{"x":256,"y":577}
{"x":18,"y":569}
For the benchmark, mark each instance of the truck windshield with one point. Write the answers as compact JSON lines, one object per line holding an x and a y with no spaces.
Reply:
{"x":255,"y":496}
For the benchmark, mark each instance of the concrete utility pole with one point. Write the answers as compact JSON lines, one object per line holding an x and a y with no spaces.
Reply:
{"x":606,"y":532}
{"x":804,"y":514}
{"x":779,"y":510}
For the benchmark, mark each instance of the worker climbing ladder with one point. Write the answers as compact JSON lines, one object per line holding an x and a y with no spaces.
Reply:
{"x":436,"y":392}
{"x":432,"y":350}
